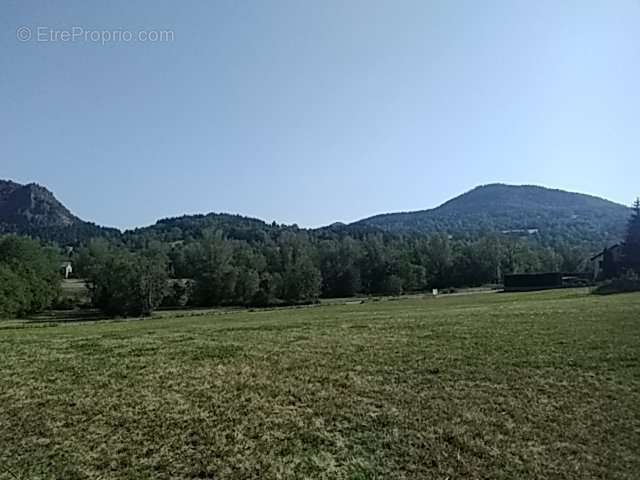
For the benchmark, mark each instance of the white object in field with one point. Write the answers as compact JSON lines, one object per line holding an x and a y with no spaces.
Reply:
{"x":67,"y":269}
{"x":435,"y":292}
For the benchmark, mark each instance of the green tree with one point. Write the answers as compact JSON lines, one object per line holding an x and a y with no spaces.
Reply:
{"x":14,"y":293}
{"x":123,"y":283}
{"x":150,"y":276}
{"x":375,"y":265}
{"x":92,"y":256}
{"x":439,"y":260}
{"x":29,"y":277}
{"x":216,"y":275}
{"x":572,"y":259}
{"x":247,"y":286}
{"x":301,"y":280}
{"x":267,"y":291}
{"x":340,"y":274}
{"x":392,"y":285}
{"x":631,"y":245}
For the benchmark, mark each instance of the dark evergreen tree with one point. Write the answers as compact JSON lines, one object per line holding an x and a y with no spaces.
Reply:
{"x":631,"y":245}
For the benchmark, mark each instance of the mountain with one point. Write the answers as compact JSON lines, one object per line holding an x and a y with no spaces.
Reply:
{"x":33,"y":210}
{"x":516,"y":210}
{"x":548,"y":216}
{"x":32,"y":205}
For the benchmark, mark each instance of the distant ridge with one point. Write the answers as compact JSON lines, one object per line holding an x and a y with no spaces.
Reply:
{"x":33,"y":210}
{"x":550,"y":215}
{"x":32,"y":205}
{"x":500,"y":207}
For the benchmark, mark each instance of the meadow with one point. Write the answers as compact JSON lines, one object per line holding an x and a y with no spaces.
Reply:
{"x":502,"y":386}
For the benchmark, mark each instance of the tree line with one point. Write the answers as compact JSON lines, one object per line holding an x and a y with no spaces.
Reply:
{"x":229,"y":260}
{"x":289,"y":266}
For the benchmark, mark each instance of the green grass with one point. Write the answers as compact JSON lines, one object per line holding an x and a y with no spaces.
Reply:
{"x":503,"y":386}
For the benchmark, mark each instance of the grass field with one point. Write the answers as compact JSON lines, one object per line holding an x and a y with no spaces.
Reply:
{"x":501,"y":386}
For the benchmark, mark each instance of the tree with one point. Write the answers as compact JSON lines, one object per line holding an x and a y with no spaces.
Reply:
{"x":215,"y":275}
{"x":178,"y":293}
{"x":123,"y":283}
{"x":439,"y":258}
{"x":301,"y":280}
{"x":631,"y":245}
{"x":477,"y":263}
{"x":14,"y":294}
{"x":340,"y":275}
{"x":373,"y":264}
{"x":247,"y":286}
{"x":269,"y":286}
{"x":573,"y":259}
{"x":150,"y":270}
{"x":29,"y":278}
{"x":520,"y":257}
{"x":91,"y":257}
{"x":393,"y":285}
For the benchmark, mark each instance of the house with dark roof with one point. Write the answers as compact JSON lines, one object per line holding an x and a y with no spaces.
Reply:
{"x":608,"y":263}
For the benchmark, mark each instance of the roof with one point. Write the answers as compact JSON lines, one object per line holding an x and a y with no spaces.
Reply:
{"x":532,"y":274}
{"x":612,"y":247}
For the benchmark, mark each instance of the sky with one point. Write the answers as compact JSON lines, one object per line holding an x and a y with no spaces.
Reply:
{"x":312,"y":112}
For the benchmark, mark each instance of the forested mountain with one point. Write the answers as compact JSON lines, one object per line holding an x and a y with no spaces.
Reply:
{"x":551,"y":215}
{"x":33,"y":210}
{"x":189,"y":227}
{"x":222,"y":259}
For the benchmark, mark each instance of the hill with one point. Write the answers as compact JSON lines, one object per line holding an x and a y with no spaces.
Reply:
{"x":33,"y":210}
{"x":550,"y":216}
{"x":517,"y":210}
{"x":32,"y":205}
{"x":188,"y":227}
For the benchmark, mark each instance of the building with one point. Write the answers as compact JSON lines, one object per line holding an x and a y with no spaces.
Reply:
{"x":608,"y":263}
{"x":524,"y":282}
{"x":66,"y":269}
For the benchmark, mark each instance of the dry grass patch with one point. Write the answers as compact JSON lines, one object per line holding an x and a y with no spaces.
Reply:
{"x":542,"y":385}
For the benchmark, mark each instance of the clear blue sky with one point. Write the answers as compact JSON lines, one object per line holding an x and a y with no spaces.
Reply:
{"x":312,"y":112}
